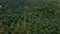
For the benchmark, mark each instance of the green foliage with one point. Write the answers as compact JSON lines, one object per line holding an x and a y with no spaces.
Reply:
{"x":29,"y":17}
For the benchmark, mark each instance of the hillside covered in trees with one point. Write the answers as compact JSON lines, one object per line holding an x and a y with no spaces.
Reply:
{"x":30,"y":17}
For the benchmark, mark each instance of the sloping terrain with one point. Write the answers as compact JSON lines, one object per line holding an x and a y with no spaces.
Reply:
{"x":29,"y":17}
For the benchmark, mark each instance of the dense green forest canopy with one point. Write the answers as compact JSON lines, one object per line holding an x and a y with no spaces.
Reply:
{"x":30,"y":17}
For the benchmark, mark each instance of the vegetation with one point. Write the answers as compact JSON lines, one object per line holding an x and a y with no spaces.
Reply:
{"x":29,"y":17}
